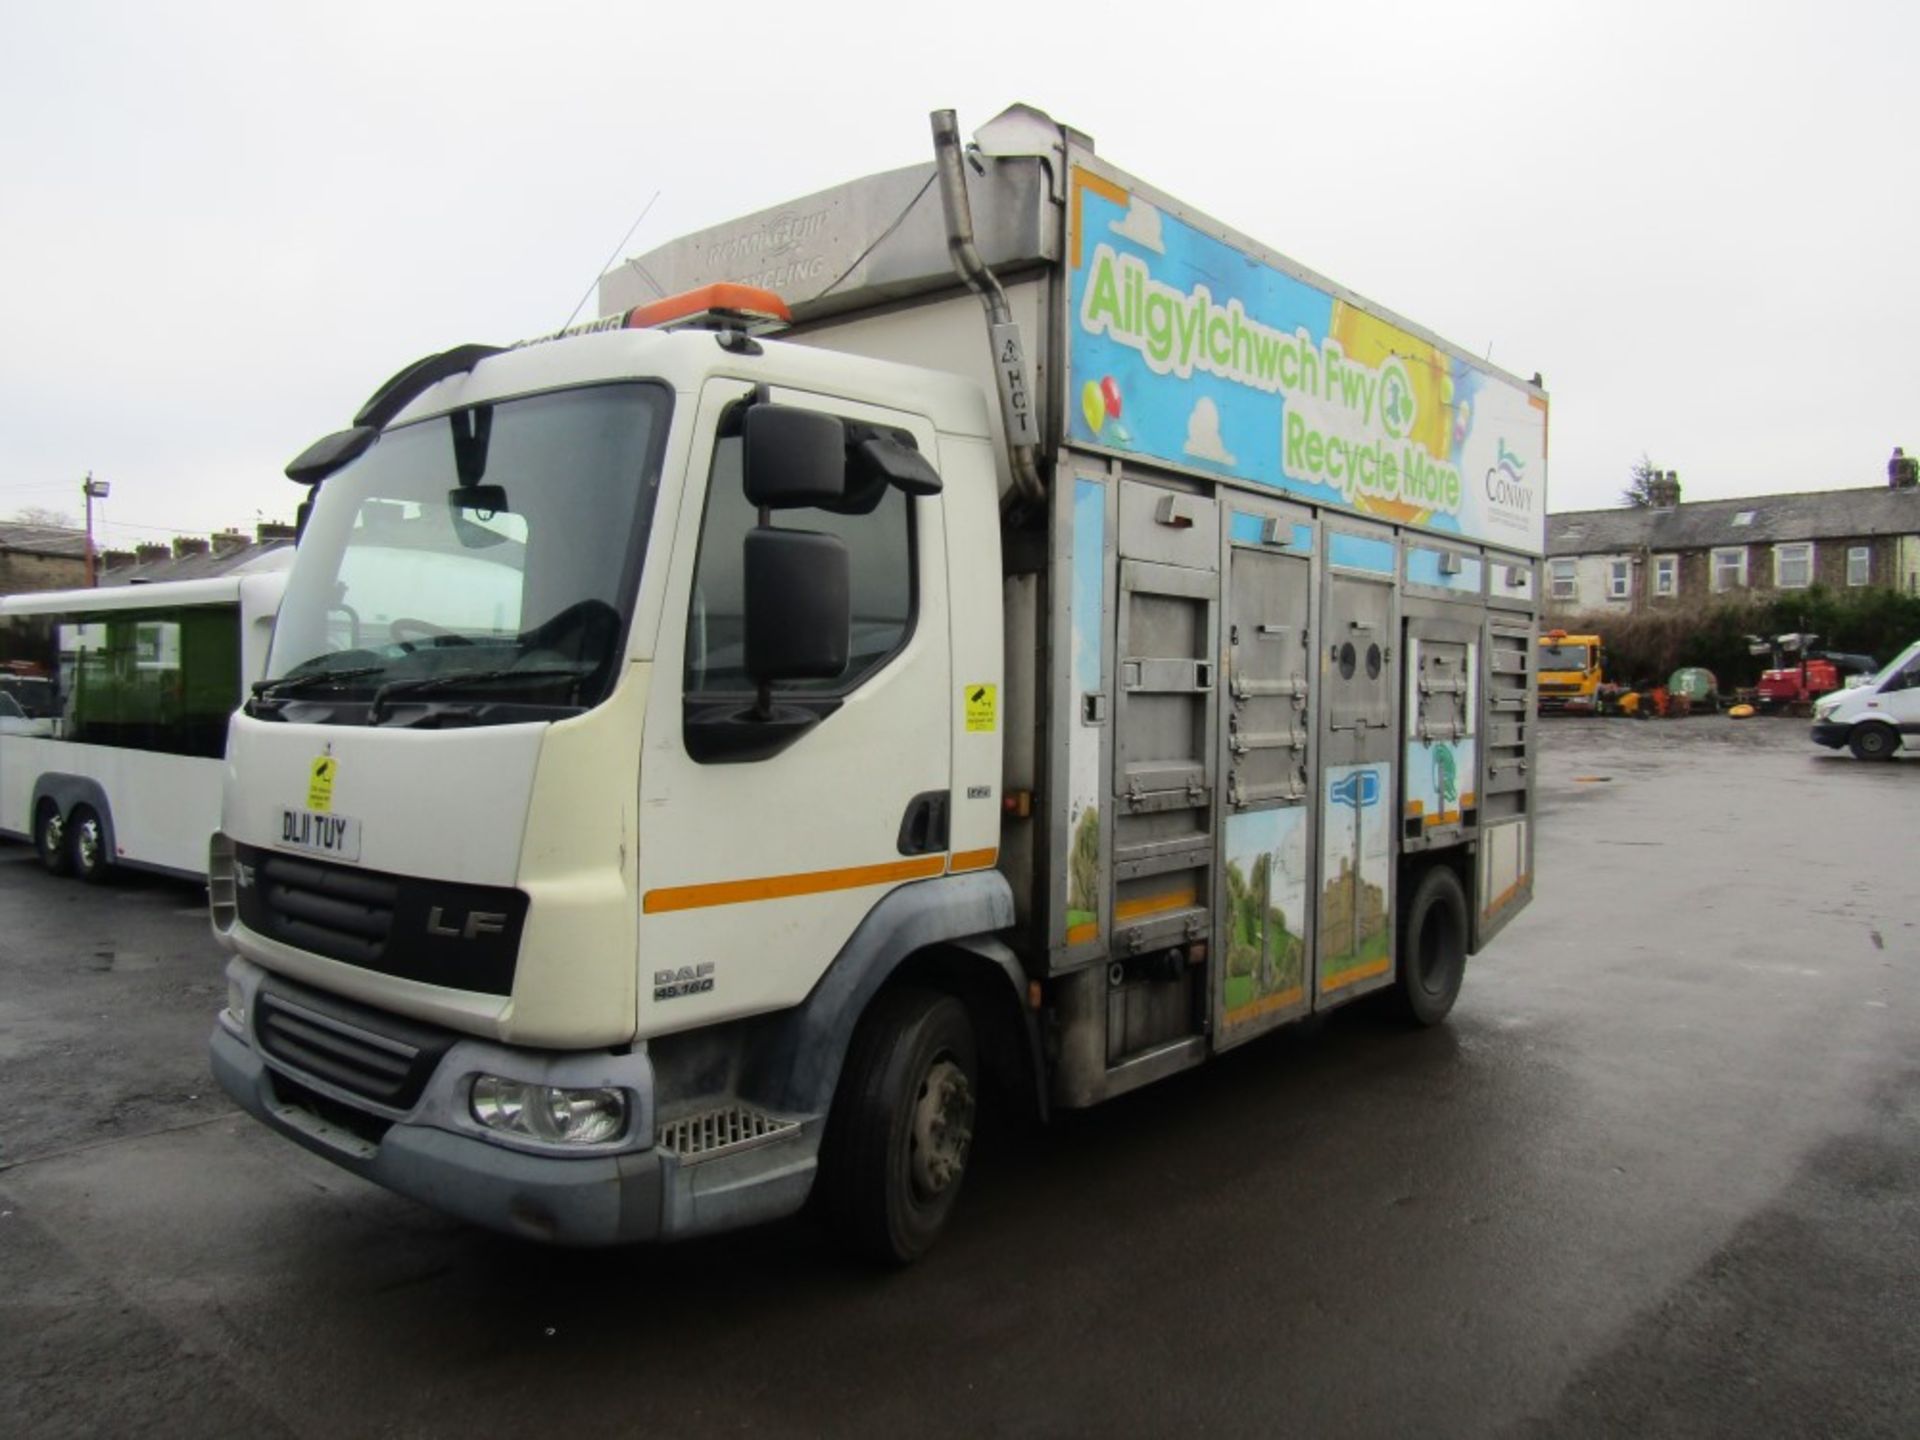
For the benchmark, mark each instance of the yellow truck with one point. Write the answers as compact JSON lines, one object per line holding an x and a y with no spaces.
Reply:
{"x":1569,"y":669}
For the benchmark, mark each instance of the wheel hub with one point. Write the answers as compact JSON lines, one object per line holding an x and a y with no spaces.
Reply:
{"x":942,"y":1128}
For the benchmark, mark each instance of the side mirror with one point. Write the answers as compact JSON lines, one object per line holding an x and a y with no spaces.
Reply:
{"x":793,"y":459}
{"x":798,"y":626}
{"x":331,"y":453}
{"x":799,"y":605}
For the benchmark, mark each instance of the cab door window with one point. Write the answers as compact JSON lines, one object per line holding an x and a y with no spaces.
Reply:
{"x":876,"y":526}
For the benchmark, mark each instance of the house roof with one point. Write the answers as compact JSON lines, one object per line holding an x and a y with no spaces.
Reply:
{"x":1698,"y":524}
{"x":63,"y":541}
{"x":203,"y":566}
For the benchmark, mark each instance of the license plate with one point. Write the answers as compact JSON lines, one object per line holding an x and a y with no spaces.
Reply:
{"x":335,"y":836}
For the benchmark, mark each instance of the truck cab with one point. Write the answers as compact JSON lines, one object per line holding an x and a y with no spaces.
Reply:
{"x":1571,"y":668}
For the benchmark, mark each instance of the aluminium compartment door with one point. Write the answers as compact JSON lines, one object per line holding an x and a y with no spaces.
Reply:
{"x":1357,"y":792}
{"x":1268,"y":672}
{"x":1503,"y":868}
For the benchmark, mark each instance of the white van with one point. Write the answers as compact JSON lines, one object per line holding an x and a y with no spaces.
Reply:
{"x":1871,"y":719}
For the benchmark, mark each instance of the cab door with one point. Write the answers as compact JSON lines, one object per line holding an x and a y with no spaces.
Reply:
{"x":756,"y":867}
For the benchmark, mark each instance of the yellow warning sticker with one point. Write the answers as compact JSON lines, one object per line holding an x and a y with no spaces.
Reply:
{"x":320,"y":784}
{"x":981,"y":705}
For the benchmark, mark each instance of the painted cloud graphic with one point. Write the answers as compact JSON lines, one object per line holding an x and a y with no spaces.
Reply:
{"x":1203,"y":434}
{"x":1142,"y":226}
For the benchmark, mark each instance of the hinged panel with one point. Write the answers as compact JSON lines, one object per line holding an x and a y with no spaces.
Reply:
{"x":1168,"y":526}
{"x":1164,"y":702}
{"x":1357,"y":643}
{"x":1268,"y":660}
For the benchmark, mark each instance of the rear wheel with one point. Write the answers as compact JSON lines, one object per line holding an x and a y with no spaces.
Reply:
{"x":1872,"y":742}
{"x":902,"y":1126}
{"x":50,"y":838}
{"x":87,"y":844}
{"x":1433,"y":946}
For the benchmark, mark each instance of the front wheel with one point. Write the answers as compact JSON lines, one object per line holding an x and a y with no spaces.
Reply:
{"x":87,"y":844}
{"x":1433,"y":947}
{"x":50,"y":839}
{"x":1872,"y":742}
{"x":902,"y":1126}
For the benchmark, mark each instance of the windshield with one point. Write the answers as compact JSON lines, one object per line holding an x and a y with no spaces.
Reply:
{"x":1563,"y":657}
{"x":1894,"y":666}
{"x":488,"y":555}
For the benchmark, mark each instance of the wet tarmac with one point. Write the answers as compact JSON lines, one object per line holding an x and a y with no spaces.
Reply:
{"x":1659,"y":1175}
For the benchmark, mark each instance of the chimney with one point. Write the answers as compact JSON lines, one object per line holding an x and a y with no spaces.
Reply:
{"x":1664,"y":492}
{"x":268,"y":530}
{"x":148,"y":551}
{"x":1903,"y":470}
{"x":225,"y":542}
{"x":185,"y":545}
{"x":116,"y":559}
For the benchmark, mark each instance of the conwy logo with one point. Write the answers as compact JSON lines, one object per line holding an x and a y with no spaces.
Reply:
{"x":1507,"y":482}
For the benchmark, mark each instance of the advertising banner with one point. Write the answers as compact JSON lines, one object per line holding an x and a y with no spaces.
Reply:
{"x":1187,"y":350}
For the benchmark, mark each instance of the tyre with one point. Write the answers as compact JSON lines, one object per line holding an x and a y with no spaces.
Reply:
{"x":1433,"y":947}
{"x":901,"y":1129}
{"x":87,"y":845}
{"x":50,"y":839}
{"x":1872,"y":742}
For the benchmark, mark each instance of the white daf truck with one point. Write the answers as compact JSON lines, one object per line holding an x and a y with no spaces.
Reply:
{"x":987,"y":624}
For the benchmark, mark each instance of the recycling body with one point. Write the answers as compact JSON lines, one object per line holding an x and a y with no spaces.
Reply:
{"x":987,"y":629}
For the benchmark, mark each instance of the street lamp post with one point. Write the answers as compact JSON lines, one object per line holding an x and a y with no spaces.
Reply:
{"x":94,"y":490}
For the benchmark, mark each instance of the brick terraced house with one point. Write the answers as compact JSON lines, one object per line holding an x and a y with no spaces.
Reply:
{"x":1642,"y":559}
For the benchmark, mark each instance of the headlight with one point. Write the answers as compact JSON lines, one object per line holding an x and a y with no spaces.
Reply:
{"x":546,"y":1112}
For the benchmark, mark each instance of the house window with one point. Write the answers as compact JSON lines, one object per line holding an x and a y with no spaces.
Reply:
{"x":1563,"y":583}
{"x":1792,"y":566}
{"x":1859,"y":564}
{"x":1619,"y":580}
{"x":1730,"y":569}
{"x":1666,"y":575}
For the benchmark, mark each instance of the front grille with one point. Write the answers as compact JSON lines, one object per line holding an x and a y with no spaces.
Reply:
{"x":721,"y":1132}
{"x":340,"y":913}
{"x":378,"y":1058}
{"x":439,"y":932}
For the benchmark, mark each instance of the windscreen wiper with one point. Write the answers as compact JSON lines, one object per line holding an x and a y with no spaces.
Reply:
{"x":425,"y":684}
{"x":287,"y":684}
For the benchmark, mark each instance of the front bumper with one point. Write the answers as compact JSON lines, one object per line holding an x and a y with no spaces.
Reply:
{"x":437,"y":1154}
{"x":1830,"y":734}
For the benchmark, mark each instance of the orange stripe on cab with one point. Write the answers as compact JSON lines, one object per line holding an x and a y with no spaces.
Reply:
{"x":784,"y":887}
{"x":973,"y":860}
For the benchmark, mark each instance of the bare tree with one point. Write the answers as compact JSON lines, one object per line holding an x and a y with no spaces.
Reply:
{"x":41,"y":515}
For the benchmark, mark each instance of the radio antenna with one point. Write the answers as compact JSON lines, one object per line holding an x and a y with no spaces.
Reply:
{"x":644,"y":211}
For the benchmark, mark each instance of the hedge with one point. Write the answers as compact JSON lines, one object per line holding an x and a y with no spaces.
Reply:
{"x":1645,"y":649}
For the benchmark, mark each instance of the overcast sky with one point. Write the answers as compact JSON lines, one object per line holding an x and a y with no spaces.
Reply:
{"x":221,"y":226}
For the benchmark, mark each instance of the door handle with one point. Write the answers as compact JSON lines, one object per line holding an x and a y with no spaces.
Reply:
{"x":924,"y":829}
